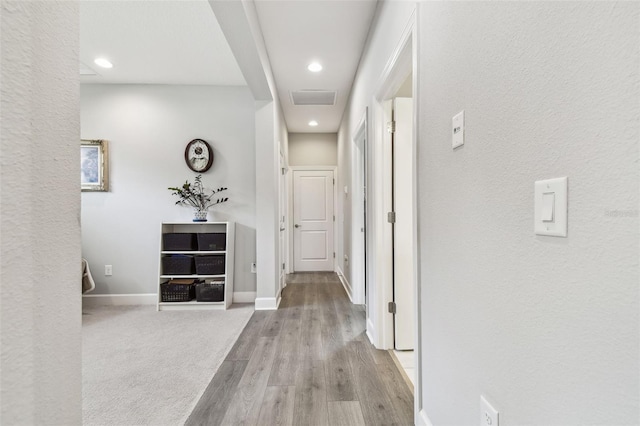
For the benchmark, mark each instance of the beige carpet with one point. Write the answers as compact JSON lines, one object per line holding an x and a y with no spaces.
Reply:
{"x":142,"y":367}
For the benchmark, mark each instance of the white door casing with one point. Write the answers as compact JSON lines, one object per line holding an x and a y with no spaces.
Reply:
{"x":283,"y":222}
{"x":403,"y":235}
{"x":313,"y":218}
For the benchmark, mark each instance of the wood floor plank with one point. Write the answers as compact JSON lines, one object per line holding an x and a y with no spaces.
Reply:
{"x":287,"y":358}
{"x":244,"y":346}
{"x":215,"y":400}
{"x":311,"y":396}
{"x":277,"y":406}
{"x":377,"y":408}
{"x":310,"y":295}
{"x":273,"y":325}
{"x":247,"y":399}
{"x":311,"y":339}
{"x":348,"y":322}
{"x":295,"y":302}
{"x":340,"y":379}
{"x":345,"y":413}
{"x":398,"y":391}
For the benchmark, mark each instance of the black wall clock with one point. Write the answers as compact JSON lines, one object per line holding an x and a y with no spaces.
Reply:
{"x":198,"y":155}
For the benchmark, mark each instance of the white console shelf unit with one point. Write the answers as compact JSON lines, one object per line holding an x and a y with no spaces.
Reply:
{"x":227,"y":228}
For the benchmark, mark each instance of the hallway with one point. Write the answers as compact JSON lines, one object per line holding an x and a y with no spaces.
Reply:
{"x":308,"y":363}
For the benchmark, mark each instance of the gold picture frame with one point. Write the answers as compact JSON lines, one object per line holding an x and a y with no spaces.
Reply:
{"x":94,"y":165}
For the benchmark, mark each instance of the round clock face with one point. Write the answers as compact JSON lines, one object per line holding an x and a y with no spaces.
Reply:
{"x":198,"y":155}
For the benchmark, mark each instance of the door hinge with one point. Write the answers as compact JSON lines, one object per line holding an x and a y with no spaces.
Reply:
{"x":334,"y":217}
{"x":391,"y":126}
{"x":334,"y":181}
{"x":392,"y":307}
{"x":334,"y":254}
{"x":391,"y":217}
{"x":283,"y":266}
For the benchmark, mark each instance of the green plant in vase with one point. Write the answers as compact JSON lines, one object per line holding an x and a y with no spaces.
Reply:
{"x":198,"y":197}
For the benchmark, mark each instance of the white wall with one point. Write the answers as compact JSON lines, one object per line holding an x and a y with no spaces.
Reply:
{"x":148,"y":127}
{"x":313,"y":149}
{"x":40,"y":303}
{"x":546,"y":327}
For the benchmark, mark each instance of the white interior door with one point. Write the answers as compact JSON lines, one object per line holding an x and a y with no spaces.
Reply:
{"x":403,"y":268}
{"x":313,"y":220}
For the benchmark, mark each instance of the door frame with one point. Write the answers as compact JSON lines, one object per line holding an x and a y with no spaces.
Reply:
{"x":358,"y":239}
{"x":334,"y":169}
{"x":283,"y":220}
{"x":403,"y":61}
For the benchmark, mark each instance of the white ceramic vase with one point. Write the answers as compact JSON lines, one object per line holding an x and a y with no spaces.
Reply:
{"x":200,"y":215}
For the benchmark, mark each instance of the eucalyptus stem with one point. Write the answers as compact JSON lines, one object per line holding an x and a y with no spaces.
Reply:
{"x":196,"y":195}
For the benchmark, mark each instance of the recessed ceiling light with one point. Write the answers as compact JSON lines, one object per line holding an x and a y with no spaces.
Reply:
{"x":314,"y":67}
{"x":313,"y":123}
{"x":104,"y":63}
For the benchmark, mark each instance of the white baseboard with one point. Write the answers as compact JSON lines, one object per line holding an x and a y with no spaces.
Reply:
{"x":244,"y":297}
{"x":422,"y":419}
{"x":149,"y":299}
{"x":345,"y":283}
{"x":267,"y":303}
{"x":371,"y":331}
{"x":90,"y":300}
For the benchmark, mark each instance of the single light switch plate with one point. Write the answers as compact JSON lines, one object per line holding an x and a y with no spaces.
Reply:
{"x":489,"y":416}
{"x":551,"y":207}
{"x":457,"y":130}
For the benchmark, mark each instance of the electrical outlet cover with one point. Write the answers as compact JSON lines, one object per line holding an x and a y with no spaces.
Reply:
{"x":489,"y":416}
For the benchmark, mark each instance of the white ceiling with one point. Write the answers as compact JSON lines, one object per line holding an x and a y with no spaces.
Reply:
{"x":330,"y":32}
{"x":180,"y":42}
{"x":156,"y":42}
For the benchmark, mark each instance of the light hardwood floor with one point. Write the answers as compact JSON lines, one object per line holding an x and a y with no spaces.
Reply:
{"x":308,"y":363}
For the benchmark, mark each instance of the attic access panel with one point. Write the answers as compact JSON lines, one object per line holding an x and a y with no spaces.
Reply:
{"x":313,"y":97}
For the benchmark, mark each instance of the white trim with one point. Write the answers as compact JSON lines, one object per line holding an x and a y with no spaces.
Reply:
{"x":416,"y":69}
{"x":371,"y":330}
{"x":267,"y":303}
{"x":91,"y":300}
{"x":244,"y":297}
{"x":422,"y":419}
{"x":358,"y":171}
{"x":328,"y":168}
{"x":345,"y":282}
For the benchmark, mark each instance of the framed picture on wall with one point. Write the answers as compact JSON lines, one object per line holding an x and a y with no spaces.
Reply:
{"x":94,"y":165}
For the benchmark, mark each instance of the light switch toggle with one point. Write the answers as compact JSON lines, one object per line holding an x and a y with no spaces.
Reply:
{"x":551,"y":207}
{"x":548,"y":203}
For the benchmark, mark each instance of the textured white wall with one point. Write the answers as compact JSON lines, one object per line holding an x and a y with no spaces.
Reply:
{"x":40,"y":311}
{"x":313,"y":149}
{"x":148,"y":127}
{"x":546,"y":327}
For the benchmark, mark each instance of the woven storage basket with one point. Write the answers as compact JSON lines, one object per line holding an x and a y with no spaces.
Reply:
{"x":211,"y":241}
{"x":179,"y":242}
{"x":210,"y":265}
{"x":213,"y":292}
{"x":177,"y":265}
{"x":173,"y":291}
